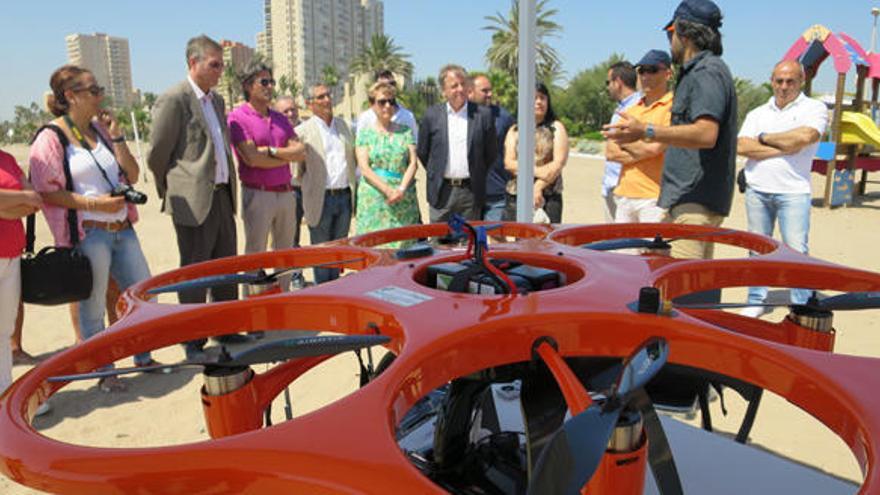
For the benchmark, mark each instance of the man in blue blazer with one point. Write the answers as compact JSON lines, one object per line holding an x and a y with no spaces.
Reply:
{"x":457,"y":146}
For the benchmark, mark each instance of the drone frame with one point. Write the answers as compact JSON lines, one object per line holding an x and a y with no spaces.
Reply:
{"x":438,"y":336}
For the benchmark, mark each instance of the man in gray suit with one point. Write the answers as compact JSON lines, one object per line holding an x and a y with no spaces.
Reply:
{"x":457,"y":145}
{"x":328,"y":174}
{"x":192,"y":163}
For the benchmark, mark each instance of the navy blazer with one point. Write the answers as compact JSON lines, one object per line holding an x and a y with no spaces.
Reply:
{"x":433,"y":149}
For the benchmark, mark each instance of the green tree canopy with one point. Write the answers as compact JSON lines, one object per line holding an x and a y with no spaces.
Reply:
{"x":382,"y":54}
{"x":503,"y":53}
{"x":585,"y":105}
{"x":749,"y":96}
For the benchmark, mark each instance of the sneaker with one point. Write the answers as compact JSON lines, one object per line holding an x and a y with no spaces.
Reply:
{"x":43,"y":409}
{"x":754,"y":311}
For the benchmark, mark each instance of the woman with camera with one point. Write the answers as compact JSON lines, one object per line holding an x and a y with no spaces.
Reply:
{"x":101,"y":169}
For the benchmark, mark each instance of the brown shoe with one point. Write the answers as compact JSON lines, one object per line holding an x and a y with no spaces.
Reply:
{"x":22,"y":358}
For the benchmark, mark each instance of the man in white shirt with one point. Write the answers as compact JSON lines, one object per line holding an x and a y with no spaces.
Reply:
{"x":192,"y":162}
{"x":328,"y":173}
{"x":779,"y":139}
{"x":457,"y":145}
{"x":403,"y":116}
{"x":621,"y":86}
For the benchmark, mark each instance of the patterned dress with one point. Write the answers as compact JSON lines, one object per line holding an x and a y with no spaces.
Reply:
{"x":389,"y":159}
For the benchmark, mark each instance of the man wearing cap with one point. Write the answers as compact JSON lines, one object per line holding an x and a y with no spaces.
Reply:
{"x":621,"y":86}
{"x":779,"y":140}
{"x":699,"y":167}
{"x":639,"y":187}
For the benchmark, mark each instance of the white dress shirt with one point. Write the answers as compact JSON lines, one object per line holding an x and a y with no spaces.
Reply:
{"x":221,"y":172}
{"x":334,"y":155}
{"x":457,"y":131}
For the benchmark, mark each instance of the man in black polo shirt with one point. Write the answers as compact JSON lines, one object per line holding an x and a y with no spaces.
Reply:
{"x":699,"y":168}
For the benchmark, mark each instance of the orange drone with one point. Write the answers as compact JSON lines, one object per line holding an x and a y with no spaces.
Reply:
{"x":531,"y":368}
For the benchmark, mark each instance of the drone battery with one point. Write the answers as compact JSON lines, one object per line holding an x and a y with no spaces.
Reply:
{"x":441,"y":275}
{"x":487,"y":284}
{"x":538,"y":278}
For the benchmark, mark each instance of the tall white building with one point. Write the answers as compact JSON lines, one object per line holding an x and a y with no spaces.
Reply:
{"x":309,"y":35}
{"x":109,"y":59}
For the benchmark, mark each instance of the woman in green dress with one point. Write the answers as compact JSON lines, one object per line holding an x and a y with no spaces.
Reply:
{"x":386,"y":157}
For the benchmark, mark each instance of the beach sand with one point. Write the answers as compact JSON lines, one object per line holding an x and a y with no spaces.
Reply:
{"x":165,"y":409}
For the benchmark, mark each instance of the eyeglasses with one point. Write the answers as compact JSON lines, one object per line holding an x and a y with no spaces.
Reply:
{"x":786,"y":82}
{"x":389,"y":101}
{"x":648,"y":69}
{"x":94,"y":89}
{"x":322,"y":96}
{"x":267,"y":82}
{"x":216,"y":65}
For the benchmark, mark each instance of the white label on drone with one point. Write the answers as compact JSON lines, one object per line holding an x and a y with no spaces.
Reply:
{"x":399,"y":296}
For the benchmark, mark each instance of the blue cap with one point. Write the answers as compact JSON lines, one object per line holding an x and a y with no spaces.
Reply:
{"x":703,"y":12}
{"x":656,"y":57}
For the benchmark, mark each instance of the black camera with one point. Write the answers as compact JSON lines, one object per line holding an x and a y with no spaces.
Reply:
{"x":130,"y":194}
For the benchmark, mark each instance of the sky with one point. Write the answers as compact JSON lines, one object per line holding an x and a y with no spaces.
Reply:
{"x":756,"y":33}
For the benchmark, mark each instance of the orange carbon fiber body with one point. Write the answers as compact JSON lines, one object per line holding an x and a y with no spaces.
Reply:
{"x":349,"y":446}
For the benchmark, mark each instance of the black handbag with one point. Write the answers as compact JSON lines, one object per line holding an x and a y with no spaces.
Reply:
{"x":55,"y":275}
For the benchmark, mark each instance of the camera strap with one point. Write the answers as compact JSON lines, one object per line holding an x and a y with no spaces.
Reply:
{"x":85,"y":144}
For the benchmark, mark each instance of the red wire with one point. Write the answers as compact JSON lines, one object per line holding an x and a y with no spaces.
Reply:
{"x":503,"y":276}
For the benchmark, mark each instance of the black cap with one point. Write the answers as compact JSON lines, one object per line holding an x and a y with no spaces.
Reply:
{"x":703,"y":12}
{"x":656,"y":57}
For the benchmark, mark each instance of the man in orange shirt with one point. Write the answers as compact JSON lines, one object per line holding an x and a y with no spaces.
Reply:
{"x":639,"y":187}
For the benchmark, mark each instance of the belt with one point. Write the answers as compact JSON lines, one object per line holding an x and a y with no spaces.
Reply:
{"x":261,"y":187}
{"x":108,"y":226}
{"x":463,"y":182}
{"x":337,"y":192}
{"x":224,"y":185}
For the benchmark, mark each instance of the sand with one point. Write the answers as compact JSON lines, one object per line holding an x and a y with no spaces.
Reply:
{"x":83,"y":415}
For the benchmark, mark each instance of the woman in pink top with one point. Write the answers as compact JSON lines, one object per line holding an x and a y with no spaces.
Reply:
{"x":16,"y":201}
{"x":100,"y":163}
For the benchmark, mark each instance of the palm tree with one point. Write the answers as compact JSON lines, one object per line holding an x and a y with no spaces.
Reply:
{"x":381,"y":54}
{"x":503,"y":54}
{"x":330,"y":77}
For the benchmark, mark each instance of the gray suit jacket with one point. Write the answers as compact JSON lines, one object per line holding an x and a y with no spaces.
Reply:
{"x":182,"y":155}
{"x":314,"y":178}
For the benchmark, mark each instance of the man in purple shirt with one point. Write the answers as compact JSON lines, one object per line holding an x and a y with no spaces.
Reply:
{"x":264,"y":144}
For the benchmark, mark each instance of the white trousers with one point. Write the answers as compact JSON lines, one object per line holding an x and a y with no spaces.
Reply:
{"x":10,"y":292}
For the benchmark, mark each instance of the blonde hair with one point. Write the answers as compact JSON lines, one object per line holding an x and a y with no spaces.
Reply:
{"x":380,"y":87}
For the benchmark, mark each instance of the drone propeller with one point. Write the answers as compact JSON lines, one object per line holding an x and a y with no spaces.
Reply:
{"x":842,"y":302}
{"x":658,"y":242}
{"x":261,"y":277}
{"x":573,"y":453}
{"x":270,"y":352}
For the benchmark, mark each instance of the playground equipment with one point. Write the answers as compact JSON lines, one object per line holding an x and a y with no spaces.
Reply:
{"x":838,"y":158}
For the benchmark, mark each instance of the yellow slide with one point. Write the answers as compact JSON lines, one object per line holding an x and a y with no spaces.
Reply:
{"x":858,"y":128}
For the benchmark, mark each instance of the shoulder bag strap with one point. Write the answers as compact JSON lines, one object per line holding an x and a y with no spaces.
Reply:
{"x":71,"y":213}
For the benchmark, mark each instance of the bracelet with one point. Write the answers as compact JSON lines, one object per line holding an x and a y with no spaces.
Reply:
{"x":118,"y":139}
{"x":401,"y":188}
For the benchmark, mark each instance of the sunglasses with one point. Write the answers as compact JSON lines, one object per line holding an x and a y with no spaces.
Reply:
{"x":648,"y":69}
{"x":607,"y":82}
{"x":389,"y":101}
{"x":94,"y":89}
{"x":267,"y":82}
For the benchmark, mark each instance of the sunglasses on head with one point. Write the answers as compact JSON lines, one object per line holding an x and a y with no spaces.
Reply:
{"x":94,"y":89}
{"x":267,"y":82}
{"x":386,"y":101}
{"x":648,"y":69}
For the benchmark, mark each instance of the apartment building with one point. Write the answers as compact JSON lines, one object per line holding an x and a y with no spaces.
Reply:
{"x":109,"y":59}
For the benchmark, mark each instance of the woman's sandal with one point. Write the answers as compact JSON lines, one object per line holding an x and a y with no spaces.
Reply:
{"x":110,"y":384}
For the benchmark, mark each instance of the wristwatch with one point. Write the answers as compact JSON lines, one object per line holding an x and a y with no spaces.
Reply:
{"x":118,"y":139}
{"x":761,"y":138}
{"x":649,"y":133}
{"x":272,"y":151}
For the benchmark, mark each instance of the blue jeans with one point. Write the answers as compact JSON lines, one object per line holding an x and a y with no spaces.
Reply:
{"x":793,"y":213}
{"x":334,"y":224}
{"x":117,"y":253}
{"x":493,"y":209}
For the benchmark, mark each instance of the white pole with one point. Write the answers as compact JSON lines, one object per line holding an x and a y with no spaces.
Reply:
{"x":874,"y":12}
{"x":525,"y":151}
{"x":137,"y":142}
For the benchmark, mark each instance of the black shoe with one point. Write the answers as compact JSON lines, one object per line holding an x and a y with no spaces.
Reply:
{"x":233,"y":338}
